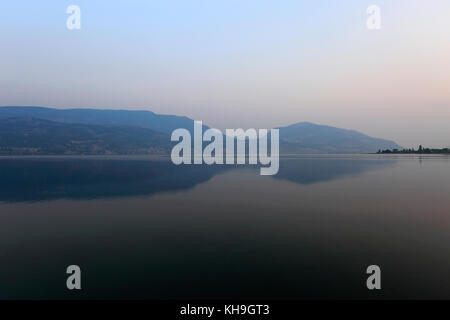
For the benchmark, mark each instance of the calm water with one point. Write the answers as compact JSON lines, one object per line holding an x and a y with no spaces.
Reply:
{"x":143,"y":228}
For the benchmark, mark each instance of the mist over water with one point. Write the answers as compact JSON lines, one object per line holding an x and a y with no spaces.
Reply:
{"x":144,"y":228}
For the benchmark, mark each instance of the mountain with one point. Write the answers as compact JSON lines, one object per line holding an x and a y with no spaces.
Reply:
{"x":305,"y":137}
{"x":37,"y":130}
{"x":145,"y":119}
{"x":25,"y":136}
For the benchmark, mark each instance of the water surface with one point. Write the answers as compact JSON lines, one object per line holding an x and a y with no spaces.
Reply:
{"x":144,"y":228}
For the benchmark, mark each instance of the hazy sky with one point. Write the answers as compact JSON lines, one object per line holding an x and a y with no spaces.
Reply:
{"x":236,"y":63}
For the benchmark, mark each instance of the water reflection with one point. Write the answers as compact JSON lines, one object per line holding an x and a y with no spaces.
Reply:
{"x":306,"y":171}
{"x":234,"y":235}
{"x":38,"y":179}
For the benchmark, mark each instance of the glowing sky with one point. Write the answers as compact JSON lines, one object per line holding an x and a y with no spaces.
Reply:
{"x":234,"y":63}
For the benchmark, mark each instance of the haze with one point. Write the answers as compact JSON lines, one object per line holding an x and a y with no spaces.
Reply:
{"x":237,"y":63}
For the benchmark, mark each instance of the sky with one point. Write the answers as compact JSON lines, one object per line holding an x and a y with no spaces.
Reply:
{"x":234,"y":63}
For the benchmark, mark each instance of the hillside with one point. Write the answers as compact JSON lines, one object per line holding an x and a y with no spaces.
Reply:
{"x":145,"y":119}
{"x":305,"y":137}
{"x":25,"y":136}
{"x":36,"y":130}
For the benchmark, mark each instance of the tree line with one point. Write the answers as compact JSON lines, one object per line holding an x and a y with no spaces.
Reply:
{"x":420,"y":150}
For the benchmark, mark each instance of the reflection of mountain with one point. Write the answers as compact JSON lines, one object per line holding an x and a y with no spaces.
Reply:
{"x":36,"y":179}
{"x":83,"y":178}
{"x":312,"y":170}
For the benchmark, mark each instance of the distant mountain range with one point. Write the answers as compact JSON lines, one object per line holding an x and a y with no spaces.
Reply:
{"x":305,"y":137}
{"x":37,"y":130}
{"x":143,"y":119}
{"x":31,"y":136}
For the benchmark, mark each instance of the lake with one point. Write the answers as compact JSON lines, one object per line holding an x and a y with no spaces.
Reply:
{"x":140,"y":227}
